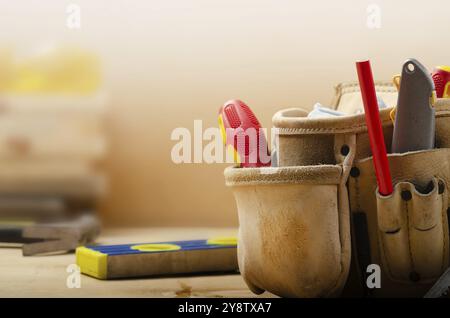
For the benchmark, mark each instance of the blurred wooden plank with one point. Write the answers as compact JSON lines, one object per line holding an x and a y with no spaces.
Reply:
{"x":75,"y":182}
{"x":58,"y":145}
{"x":68,"y":105}
{"x":35,"y":127}
{"x":45,"y":168}
{"x":61,"y":139}
{"x":19,"y":207}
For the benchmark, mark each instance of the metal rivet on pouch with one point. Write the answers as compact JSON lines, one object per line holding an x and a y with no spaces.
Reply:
{"x":345,"y":150}
{"x":354,"y":172}
{"x":406,"y":195}
{"x":441,"y":187}
{"x":414,"y":276}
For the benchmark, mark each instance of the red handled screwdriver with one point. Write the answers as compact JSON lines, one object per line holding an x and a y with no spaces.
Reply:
{"x":242,"y":134}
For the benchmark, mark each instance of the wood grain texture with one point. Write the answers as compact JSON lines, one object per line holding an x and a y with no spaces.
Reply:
{"x":46,"y":276}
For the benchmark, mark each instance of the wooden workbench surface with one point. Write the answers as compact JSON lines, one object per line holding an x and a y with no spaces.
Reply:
{"x":45,"y":276}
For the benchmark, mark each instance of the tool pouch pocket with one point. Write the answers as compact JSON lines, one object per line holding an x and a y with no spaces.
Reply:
{"x":311,"y":146}
{"x":293,"y":236}
{"x":412,"y":231}
{"x":408,"y":230}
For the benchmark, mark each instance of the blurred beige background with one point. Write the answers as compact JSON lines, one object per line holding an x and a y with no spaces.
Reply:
{"x":167,"y":63}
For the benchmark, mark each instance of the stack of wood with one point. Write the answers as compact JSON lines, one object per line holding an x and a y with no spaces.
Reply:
{"x":51,"y":152}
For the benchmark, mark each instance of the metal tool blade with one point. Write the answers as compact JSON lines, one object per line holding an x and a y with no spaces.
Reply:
{"x":441,"y":287}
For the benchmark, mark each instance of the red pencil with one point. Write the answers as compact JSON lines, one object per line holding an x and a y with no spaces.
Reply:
{"x":374,"y":128}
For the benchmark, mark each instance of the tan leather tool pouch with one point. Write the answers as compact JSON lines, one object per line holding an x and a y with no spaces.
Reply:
{"x":301,"y":223}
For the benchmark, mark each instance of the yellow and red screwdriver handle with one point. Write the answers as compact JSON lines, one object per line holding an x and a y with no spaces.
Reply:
{"x":237,"y":123}
{"x":441,"y":78}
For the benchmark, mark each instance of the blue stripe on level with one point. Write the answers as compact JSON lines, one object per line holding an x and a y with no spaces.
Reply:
{"x":185,"y":246}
